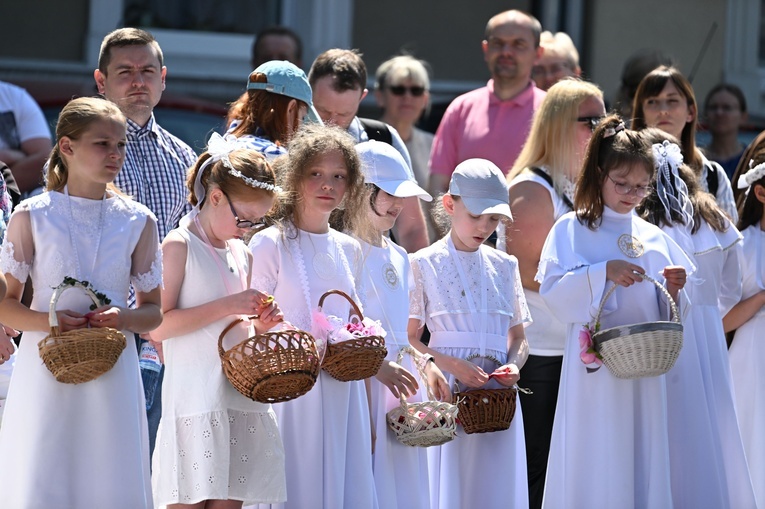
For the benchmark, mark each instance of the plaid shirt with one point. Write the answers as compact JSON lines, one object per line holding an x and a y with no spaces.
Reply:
{"x":154,"y":172}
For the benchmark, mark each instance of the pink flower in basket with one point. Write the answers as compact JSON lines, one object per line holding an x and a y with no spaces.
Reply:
{"x":587,"y":353}
{"x":334,"y":329}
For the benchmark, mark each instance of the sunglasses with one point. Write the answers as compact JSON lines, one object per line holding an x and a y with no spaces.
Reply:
{"x":593,"y":122}
{"x":401,"y":90}
{"x":240,"y":223}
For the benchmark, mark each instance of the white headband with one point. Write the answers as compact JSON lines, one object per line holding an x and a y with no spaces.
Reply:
{"x":753,"y":175}
{"x":219,"y":148}
{"x":670,"y":187}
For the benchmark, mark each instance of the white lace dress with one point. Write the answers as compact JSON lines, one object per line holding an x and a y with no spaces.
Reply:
{"x":212,"y":442}
{"x":326,"y":432}
{"x":401,"y":471}
{"x":483,"y":469}
{"x":747,"y":362}
{"x":78,"y":446}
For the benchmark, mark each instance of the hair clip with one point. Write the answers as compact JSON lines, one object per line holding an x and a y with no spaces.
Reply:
{"x":753,"y":175}
{"x":611,"y":131}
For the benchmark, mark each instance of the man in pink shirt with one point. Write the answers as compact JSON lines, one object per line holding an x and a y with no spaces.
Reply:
{"x":494,"y":121}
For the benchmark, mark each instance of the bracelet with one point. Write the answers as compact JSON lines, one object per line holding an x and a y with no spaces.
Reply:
{"x":424,"y":360}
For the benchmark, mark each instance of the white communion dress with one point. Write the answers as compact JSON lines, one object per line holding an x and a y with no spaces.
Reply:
{"x":747,"y":363}
{"x":401,"y":471}
{"x":610,"y":440}
{"x":213,"y":443}
{"x":469,"y":301}
{"x":78,"y":446}
{"x":326,"y":432}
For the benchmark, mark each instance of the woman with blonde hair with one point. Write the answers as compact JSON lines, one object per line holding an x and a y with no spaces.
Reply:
{"x":541,"y":190}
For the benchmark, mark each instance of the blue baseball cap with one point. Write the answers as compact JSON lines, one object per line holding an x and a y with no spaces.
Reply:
{"x":285,"y":78}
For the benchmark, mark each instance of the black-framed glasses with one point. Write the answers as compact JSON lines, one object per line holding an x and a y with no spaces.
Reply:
{"x":401,"y":90}
{"x":624,"y":189}
{"x":240,"y":223}
{"x":592,"y":122}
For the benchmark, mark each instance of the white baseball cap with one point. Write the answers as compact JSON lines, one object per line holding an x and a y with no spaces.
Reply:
{"x":384,"y":167}
{"x":482,"y":187}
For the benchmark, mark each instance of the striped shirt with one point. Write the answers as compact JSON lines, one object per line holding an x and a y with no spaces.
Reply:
{"x":154,"y":172}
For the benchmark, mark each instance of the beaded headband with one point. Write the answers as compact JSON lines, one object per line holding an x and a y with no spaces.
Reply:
{"x":219,"y":148}
{"x":753,"y":175}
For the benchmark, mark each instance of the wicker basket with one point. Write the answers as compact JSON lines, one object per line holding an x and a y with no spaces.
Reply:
{"x":271,"y":367}
{"x":643,"y":349}
{"x":425,"y":423}
{"x":355,"y":359}
{"x":80,"y":355}
{"x":485,"y":410}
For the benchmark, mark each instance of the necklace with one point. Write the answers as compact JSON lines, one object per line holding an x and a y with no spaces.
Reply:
{"x":78,"y":269}
{"x":323,"y":263}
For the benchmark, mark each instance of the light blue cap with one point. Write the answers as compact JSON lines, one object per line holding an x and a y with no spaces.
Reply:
{"x":285,"y":78}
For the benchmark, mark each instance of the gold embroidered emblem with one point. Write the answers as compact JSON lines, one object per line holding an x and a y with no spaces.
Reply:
{"x":630,"y":246}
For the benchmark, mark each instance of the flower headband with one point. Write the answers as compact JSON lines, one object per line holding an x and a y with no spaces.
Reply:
{"x":611,"y":131}
{"x":219,"y":149}
{"x":753,"y":175}
{"x":670,"y":187}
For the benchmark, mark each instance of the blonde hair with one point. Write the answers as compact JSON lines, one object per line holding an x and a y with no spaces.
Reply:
{"x":73,"y":121}
{"x":552,"y":138}
{"x":561,"y":45}
{"x":400,"y":68}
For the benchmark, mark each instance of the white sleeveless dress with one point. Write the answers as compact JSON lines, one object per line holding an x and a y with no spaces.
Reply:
{"x":212,"y":442}
{"x":82,"y":446}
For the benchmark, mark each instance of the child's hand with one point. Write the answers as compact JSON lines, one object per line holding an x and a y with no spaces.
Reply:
{"x":466,"y":372}
{"x":397,"y":379}
{"x":107,"y":316}
{"x":6,"y":343}
{"x":249,"y":302}
{"x":507,"y":375}
{"x":437,"y":382}
{"x":69,"y":320}
{"x":676,"y":278}
{"x":622,"y":273}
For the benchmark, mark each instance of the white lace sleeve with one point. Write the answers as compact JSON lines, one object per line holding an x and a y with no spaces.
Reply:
{"x":146,"y":272}
{"x":416,"y":294}
{"x":521,"y":313}
{"x":17,"y":252}
{"x":265,"y":262}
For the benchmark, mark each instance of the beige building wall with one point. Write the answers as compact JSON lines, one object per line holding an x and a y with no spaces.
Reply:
{"x":618,"y":28}
{"x":44,"y":29}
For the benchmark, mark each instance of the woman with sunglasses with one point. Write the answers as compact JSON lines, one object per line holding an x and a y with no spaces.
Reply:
{"x":541,"y":190}
{"x":213,"y":443}
{"x":402,"y":91}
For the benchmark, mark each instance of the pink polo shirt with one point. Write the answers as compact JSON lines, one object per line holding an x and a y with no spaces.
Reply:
{"x":478,"y":124}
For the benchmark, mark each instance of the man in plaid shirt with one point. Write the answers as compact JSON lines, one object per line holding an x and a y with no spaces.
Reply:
{"x":131,"y":74}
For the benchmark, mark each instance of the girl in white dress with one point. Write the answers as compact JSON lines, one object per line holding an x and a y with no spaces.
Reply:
{"x":326,"y":432}
{"x":76,"y":446}
{"x":747,"y":351}
{"x":400,"y":471}
{"x":706,"y":453}
{"x":470,"y":297}
{"x":215,"y":447}
{"x":610,"y":442}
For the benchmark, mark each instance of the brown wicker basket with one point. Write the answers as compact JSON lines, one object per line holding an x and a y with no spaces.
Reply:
{"x":355,"y":359}
{"x":424,"y":423}
{"x":271,"y":367}
{"x":80,"y":355}
{"x":485,"y":410}
{"x":643,"y":349}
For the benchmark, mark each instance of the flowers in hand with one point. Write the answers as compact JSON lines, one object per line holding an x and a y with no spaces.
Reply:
{"x":587,"y":353}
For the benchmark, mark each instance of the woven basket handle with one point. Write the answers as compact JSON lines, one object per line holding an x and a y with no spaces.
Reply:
{"x":341,"y":293}
{"x":675,"y":312}
{"x":420,"y":371}
{"x":60,"y":289}
{"x":230,"y":326}
{"x":470,"y":358}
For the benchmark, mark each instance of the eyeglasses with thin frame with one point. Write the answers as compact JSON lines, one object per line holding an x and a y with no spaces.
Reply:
{"x":593,"y":122}
{"x":401,"y":90}
{"x":624,"y":189}
{"x":244,"y":224}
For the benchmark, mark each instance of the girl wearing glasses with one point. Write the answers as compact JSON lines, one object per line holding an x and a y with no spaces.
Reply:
{"x":665,"y":99}
{"x":617,"y":427}
{"x":541,"y":190}
{"x":709,"y":467}
{"x":213,"y":443}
